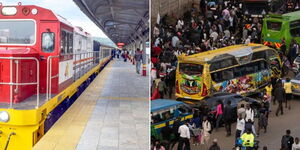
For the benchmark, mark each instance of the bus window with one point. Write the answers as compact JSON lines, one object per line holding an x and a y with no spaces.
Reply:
{"x":227,"y":74}
{"x":167,"y":115}
{"x":259,"y":55}
{"x":222,"y":64}
{"x":271,"y":53}
{"x":274,"y":25}
{"x":295,"y":32}
{"x":156,"y":118}
{"x":184,"y":109}
{"x":190,"y":69}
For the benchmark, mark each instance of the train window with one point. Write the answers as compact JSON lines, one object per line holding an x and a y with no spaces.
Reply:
{"x":70,"y":50}
{"x":63,"y":42}
{"x":48,"y":42}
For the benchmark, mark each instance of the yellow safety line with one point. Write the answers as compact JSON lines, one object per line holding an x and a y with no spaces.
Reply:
{"x":66,"y":132}
{"x":124,"y":98}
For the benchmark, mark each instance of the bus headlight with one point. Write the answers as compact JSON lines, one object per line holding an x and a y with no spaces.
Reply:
{"x":4,"y":116}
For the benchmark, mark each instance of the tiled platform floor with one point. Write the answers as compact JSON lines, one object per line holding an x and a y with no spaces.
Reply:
{"x":112,"y":114}
{"x":120,"y":120}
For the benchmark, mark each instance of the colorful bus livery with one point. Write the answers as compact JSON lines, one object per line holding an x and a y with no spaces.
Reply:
{"x":242,"y":69}
{"x":279,"y":27}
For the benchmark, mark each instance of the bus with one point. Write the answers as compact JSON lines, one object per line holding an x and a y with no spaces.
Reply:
{"x":241,"y":69}
{"x":166,"y":110}
{"x":279,"y":27}
{"x":255,"y":8}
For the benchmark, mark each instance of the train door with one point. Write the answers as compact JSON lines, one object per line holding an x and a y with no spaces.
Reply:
{"x":49,"y":34}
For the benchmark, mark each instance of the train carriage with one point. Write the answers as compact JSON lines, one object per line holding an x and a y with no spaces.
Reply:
{"x":45,"y":64}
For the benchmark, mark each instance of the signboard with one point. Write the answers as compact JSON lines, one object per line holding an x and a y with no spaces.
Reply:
{"x":120,"y":44}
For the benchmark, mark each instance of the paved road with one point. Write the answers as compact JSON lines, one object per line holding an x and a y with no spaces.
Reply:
{"x":271,"y":139}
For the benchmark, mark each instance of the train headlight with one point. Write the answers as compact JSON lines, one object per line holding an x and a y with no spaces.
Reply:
{"x":9,"y":11}
{"x":34,"y":11}
{"x":4,"y":116}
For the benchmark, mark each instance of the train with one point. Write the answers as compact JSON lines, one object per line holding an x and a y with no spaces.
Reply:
{"x":45,"y":64}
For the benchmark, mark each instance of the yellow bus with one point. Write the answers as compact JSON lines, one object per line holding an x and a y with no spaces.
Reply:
{"x":242,"y":69}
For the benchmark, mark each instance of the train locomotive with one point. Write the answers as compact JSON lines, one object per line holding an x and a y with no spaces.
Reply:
{"x":45,"y":64}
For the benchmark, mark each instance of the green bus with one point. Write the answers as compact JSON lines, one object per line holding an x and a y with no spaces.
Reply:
{"x":279,"y":27}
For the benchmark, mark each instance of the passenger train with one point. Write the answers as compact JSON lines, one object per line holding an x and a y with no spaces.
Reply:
{"x":45,"y":64}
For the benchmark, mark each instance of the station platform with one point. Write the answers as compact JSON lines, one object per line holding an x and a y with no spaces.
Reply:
{"x":111,"y":114}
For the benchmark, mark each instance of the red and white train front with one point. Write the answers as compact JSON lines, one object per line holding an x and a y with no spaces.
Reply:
{"x":36,"y":53}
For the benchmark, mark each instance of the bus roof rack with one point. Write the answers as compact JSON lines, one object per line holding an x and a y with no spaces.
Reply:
{"x":279,"y":16}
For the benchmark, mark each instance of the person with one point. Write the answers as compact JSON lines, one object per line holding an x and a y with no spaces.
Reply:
{"x":273,"y":83}
{"x":266,"y":101}
{"x":283,"y":47}
{"x":158,"y":146}
{"x":279,"y":95}
{"x":175,"y":128}
{"x":249,"y":125}
{"x":138,"y":56}
{"x":240,"y":126}
{"x":162,"y":87}
{"x":206,"y":131}
{"x":265,"y":148}
{"x":196,"y":123}
{"x":194,"y":131}
{"x":249,"y":113}
{"x":262,"y":120}
{"x":288,"y":90}
{"x":166,"y":132}
{"x":185,"y":136}
{"x":227,"y":115}
{"x":248,"y":140}
{"x":287,"y":141}
{"x":296,"y":145}
{"x":242,"y":111}
{"x":219,"y":113}
{"x":269,"y":89}
{"x":215,"y":145}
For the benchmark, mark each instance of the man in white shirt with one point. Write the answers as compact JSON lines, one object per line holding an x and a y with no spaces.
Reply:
{"x":240,"y":125}
{"x":242,"y":111}
{"x":249,"y":113}
{"x":296,"y":145}
{"x":184,"y":132}
{"x":175,"y":40}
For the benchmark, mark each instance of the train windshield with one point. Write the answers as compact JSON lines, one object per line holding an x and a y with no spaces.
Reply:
{"x":17,"y":32}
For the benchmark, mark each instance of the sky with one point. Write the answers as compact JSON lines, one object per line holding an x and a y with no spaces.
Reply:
{"x":65,"y":8}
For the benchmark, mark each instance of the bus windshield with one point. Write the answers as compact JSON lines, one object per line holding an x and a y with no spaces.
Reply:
{"x":274,"y":25}
{"x":190,"y":69}
{"x":295,"y":32}
{"x":17,"y":32}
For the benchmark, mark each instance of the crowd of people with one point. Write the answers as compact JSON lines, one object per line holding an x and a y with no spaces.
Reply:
{"x":215,"y":25}
{"x":199,"y":129}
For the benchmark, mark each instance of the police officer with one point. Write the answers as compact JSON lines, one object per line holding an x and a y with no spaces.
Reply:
{"x":248,"y":140}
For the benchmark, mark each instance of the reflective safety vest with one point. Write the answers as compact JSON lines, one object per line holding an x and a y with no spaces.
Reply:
{"x":248,"y":140}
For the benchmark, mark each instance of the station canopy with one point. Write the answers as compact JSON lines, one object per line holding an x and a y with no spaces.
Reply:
{"x":122,"y":20}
